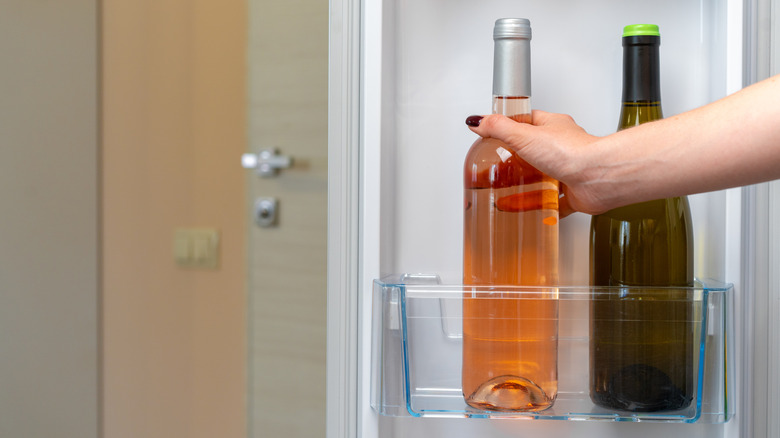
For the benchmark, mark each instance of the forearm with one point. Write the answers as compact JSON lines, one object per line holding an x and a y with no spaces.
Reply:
{"x":732,"y":142}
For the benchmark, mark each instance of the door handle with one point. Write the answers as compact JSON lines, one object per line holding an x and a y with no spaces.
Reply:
{"x":266,"y":163}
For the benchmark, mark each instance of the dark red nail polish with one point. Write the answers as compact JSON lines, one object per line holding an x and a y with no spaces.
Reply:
{"x":473,"y":120}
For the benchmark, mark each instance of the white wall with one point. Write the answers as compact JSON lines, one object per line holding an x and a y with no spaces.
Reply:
{"x":49,"y":324}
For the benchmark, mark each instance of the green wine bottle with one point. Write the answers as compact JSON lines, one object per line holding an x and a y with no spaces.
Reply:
{"x":641,"y":348}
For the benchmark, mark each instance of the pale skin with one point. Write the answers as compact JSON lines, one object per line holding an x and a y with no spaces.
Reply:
{"x":732,"y":142}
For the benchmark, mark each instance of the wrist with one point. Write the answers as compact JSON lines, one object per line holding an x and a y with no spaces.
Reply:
{"x":625,"y":169}
{"x":592,"y":179}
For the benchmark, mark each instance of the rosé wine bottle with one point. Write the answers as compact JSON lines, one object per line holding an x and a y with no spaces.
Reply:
{"x":510,"y":335}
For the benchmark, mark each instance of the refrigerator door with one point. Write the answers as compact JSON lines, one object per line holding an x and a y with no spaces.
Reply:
{"x":404,"y":75}
{"x":759,"y":388}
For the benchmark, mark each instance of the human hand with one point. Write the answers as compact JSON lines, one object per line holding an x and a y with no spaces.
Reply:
{"x":557,"y":146}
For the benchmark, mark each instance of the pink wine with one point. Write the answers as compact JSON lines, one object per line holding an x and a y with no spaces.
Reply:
{"x":510,"y":338}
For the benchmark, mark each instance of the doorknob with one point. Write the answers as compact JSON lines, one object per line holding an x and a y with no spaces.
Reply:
{"x":267,"y":162}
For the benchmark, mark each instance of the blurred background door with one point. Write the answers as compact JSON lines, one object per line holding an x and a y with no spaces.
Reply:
{"x":189,"y":86}
{"x":122,"y":126}
{"x":288,"y":112}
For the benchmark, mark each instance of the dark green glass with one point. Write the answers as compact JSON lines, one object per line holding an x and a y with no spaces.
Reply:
{"x":642,"y":330}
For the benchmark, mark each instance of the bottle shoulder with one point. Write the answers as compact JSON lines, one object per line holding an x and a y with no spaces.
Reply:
{"x":668,"y":209}
{"x":636,"y":113}
{"x":490,"y":163}
{"x":489,"y":150}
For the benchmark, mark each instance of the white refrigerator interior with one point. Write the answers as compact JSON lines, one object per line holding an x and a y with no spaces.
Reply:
{"x":427,"y":64}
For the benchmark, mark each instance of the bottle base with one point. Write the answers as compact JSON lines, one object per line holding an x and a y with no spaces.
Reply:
{"x":509,"y":394}
{"x":642,"y":388}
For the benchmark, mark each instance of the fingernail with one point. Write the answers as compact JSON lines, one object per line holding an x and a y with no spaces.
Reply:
{"x":473,"y":120}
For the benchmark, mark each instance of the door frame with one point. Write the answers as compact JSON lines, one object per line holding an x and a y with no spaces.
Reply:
{"x":344,"y":87}
{"x":759,"y":394}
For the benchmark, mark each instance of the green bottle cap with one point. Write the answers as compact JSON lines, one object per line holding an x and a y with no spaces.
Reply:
{"x":641,"y":29}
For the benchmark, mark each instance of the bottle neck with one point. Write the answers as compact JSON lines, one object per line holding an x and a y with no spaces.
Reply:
{"x":514,"y":107}
{"x":512,"y":78}
{"x":641,"y":69}
{"x":641,"y":81}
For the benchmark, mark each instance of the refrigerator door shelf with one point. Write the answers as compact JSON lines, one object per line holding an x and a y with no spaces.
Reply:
{"x":417,"y":349}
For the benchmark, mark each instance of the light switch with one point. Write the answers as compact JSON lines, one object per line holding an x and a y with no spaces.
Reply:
{"x":181,"y":247}
{"x":196,"y":248}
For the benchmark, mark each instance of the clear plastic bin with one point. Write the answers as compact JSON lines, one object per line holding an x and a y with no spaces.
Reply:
{"x":417,"y":350}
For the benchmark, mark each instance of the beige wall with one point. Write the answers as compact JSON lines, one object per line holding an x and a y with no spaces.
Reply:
{"x":173,"y":132}
{"x":49,"y":344}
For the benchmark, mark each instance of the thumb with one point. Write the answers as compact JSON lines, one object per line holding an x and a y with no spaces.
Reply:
{"x":500,"y":127}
